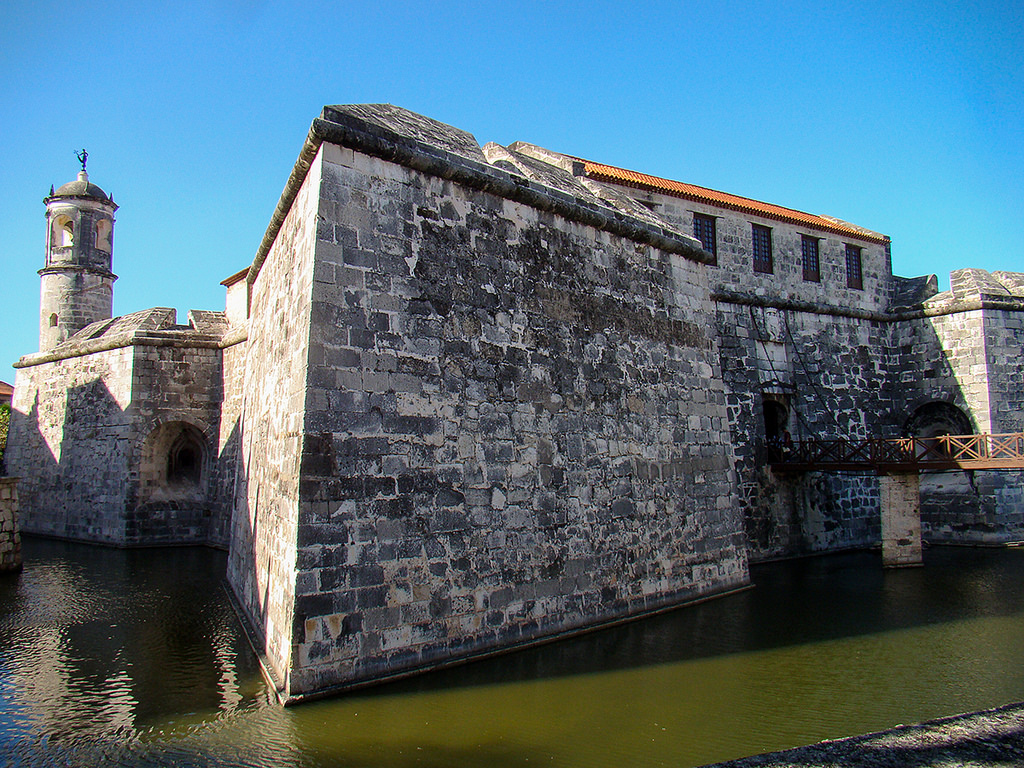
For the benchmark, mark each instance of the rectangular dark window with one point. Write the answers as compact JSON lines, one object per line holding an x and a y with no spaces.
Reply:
{"x":763,"y":249}
{"x":704,"y":230}
{"x":854,"y":278}
{"x":812,"y":268}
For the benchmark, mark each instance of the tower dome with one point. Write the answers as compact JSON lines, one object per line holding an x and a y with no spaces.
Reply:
{"x":77,"y":281}
{"x":80,"y":187}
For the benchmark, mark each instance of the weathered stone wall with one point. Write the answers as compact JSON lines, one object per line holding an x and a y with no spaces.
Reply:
{"x":79,"y":432}
{"x":1004,"y":349}
{"x":262,"y":560}
{"x":817,"y":349}
{"x":10,"y":535}
{"x":735,"y":270}
{"x":227,"y":486}
{"x":174,"y":385}
{"x":831,"y":375}
{"x":515,"y":426}
{"x":72,"y":443}
{"x":968,"y":356}
{"x":946,"y":362}
{"x":1004,"y":361}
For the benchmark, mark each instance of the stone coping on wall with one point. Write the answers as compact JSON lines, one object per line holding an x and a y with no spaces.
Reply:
{"x":182,"y":339}
{"x":411,"y":140}
{"x":950,"y":307}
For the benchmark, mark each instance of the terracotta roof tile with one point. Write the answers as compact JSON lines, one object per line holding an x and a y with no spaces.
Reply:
{"x":614,"y":175}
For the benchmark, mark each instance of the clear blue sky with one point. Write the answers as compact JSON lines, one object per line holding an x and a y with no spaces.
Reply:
{"x":906,"y":118}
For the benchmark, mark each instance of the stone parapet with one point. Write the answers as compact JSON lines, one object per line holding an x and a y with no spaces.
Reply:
{"x":10,"y":537}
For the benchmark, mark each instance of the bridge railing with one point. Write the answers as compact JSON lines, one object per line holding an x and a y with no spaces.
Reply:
{"x":901,"y":454}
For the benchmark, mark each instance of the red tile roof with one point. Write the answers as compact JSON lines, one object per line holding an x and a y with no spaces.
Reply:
{"x":609,"y":173}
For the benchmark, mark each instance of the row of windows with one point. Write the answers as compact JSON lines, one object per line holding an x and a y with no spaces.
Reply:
{"x":763,"y":261}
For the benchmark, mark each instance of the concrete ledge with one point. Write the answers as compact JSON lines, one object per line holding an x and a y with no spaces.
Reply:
{"x":990,"y":738}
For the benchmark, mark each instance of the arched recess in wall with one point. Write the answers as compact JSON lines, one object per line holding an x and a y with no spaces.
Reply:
{"x":938,"y":418}
{"x":174,"y":464}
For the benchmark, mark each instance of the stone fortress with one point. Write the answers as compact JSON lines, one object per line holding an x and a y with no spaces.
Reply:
{"x":467,"y":398}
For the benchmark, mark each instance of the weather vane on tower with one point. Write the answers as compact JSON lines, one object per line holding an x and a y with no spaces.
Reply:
{"x":82,"y":156}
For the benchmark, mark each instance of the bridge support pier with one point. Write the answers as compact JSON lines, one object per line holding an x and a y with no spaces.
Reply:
{"x":901,"y":519}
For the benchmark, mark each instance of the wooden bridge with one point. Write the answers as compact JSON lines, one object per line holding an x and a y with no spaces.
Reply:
{"x":899,"y":462}
{"x":900,"y":455}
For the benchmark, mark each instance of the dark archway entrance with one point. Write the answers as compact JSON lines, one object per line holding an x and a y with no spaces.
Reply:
{"x":936,"y":419}
{"x":947,"y":497}
{"x":776,"y":422}
{"x":172,"y":504}
{"x":173,"y":463}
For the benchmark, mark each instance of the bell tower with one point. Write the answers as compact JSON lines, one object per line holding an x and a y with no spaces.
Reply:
{"x":77,"y":281}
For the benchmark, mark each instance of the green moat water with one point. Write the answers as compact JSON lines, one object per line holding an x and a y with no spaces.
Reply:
{"x":134,"y":658}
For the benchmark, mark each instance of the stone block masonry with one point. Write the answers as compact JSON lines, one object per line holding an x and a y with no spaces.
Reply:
{"x":468,"y":398}
{"x":95,"y":422}
{"x":901,"y":520}
{"x":512,"y":425}
{"x":10,"y":536}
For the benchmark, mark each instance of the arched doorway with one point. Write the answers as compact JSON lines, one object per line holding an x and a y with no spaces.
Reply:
{"x":173,"y":463}
{"x":938,"y":418}
{"x":776,"y":421}
{"x":949,"y":498}
{"x":172,"y":503}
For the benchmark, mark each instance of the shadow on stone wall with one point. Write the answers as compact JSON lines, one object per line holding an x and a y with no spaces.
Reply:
{"x":90,"y":490}
{"x":856,"y":377}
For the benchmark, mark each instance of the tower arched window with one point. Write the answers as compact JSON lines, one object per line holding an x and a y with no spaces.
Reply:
{"x":63,"y":232}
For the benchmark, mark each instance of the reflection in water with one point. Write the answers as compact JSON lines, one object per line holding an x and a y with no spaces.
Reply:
{"x":134,"y":658}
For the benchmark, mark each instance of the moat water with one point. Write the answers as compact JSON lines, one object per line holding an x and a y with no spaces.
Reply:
{"x":134,"y":658}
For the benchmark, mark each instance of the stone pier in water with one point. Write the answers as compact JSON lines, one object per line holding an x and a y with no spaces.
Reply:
{"x":10,"y":538}
{"x":901,"y":519}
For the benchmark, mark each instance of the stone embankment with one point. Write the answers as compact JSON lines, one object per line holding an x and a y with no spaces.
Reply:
{"x":10,"y":538}
{"x":993,"y":738}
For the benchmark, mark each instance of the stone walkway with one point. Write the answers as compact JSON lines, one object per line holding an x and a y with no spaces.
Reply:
{"x":990,"y":739}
